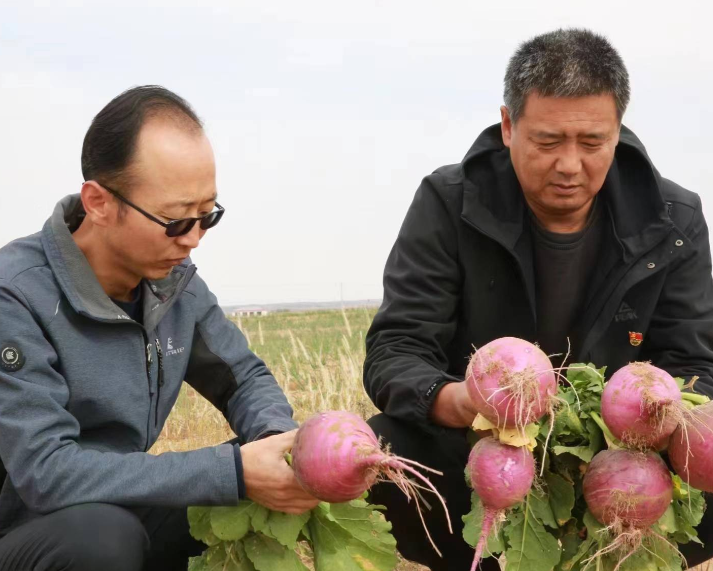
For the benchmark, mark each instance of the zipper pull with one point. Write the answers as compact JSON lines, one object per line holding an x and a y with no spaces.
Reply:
{"x":159,"y":352}
{"x":149,"y":356}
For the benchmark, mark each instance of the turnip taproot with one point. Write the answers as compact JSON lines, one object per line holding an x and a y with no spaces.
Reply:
{"x":627,"y":491}
{"x":337,"y":457}
{"x":691,"y":449}
{"x":502,"y":476}
{"x":511,"y":382}
{"x":642,"y":405}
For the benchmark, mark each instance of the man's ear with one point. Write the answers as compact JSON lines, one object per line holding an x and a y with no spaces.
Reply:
{"x":99,"y":205}
{"x":506,"y":125}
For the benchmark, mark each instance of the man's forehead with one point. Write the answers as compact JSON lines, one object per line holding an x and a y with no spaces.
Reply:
{"x":174,"y":168}
{"x":186,"y":201}
{"x":166,"y":147}
{"x":555,"y":109}
{"x":194,"y":201}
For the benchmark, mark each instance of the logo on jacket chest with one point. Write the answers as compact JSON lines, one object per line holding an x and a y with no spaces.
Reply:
{"x":170,"y":350}
{"x":625,"y":313}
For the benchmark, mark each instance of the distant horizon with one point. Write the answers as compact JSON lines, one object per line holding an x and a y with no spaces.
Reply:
{"x":346,"y":304}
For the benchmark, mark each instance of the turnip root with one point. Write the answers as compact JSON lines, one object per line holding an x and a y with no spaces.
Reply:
{"x":642,"y":406}
{"x":691,"y":449}
{"x":502,"y":476}
{"x":511,"y":382}
{"x":627,"y":491}
{"x":337,"y":457}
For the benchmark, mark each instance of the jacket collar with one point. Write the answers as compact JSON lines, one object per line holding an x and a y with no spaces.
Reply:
{"x":494,"y":204}
{"x":79,"y":283}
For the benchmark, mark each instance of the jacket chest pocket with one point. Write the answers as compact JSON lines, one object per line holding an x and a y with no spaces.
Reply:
{"x":625,"y":330}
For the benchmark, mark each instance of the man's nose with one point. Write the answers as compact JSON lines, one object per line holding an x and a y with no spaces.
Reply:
{"x":192,"y":238}
{"x":569,"y":161}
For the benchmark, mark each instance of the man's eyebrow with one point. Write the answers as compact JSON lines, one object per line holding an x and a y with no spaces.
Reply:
{"x":552,"y":135}
{"x":187,"y":203}
{"x":546,"y":135}
{"x":597,"y":136}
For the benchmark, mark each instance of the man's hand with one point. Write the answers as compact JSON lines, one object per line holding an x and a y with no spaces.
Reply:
{"x":269,"y":480}
{"x":453,"y":407}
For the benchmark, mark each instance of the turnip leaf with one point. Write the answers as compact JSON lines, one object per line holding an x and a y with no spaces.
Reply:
{"x":227,"y":556}
{"x":561,"y":496}
{"x":232,"y":523}
{"x":286,"y":528}
{"x":540,"y":508}
{"x":200,"y":527}
{"x":268,"y":554}
{"x":351,"y":537}
{"x":530,"y":546}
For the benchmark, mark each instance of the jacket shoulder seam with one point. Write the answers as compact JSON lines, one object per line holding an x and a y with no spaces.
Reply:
{"x":12,"y":278}
{"x":694,"y":209}
{"x":24,"y":299}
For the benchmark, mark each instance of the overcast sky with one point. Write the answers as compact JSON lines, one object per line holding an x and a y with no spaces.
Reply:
{"x":324,"y":116}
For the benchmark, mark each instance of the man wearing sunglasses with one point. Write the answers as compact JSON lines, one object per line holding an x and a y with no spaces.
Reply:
{"x":102,"y":318}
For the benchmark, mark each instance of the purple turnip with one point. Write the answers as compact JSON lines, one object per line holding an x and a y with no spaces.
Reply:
{"x":511,"y":382}
{"x":337,"y":457}
{"x":502,"y":476}
{"x":627,"y":491}
{"x":642,"y":406}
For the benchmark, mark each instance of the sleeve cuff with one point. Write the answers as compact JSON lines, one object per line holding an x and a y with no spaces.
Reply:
{"x":276,"y":427}
{"x":239,"y":472}
{"x":425,"y":405}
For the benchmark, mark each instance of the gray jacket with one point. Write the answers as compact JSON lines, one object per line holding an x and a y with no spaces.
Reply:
{"x":85,"y":390}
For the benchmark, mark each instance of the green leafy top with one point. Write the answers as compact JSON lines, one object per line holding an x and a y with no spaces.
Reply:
{"x":352,"y":536}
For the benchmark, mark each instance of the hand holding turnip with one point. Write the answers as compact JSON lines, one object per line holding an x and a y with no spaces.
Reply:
{"x":453,"y":406}
{"x":269,"y":480}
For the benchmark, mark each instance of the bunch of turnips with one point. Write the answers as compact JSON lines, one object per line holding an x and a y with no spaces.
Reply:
{"x":577,"y":464}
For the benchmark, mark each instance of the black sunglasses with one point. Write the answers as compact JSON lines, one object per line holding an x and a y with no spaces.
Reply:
{"x":179,"y":227}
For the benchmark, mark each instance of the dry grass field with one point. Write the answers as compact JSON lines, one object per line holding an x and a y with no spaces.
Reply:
{"x":317,"y":359}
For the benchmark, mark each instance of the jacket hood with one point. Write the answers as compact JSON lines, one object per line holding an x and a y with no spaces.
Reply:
{"x":494,"y":202}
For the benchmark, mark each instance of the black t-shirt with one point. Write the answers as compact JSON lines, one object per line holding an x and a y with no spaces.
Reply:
{"x":564,"y":264}
{"x":134,"y":308}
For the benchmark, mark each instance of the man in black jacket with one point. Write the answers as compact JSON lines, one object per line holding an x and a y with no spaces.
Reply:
{"x":555,"y":228}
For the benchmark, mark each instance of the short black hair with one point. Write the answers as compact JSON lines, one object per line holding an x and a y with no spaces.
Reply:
{"x":110,"y":142}
{"x":566,"y":63}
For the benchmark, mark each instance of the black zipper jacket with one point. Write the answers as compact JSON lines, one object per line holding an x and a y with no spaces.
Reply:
{"x":461,"y":274}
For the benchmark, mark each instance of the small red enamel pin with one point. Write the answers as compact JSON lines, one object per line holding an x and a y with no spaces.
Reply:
{"x":635,"y":338}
